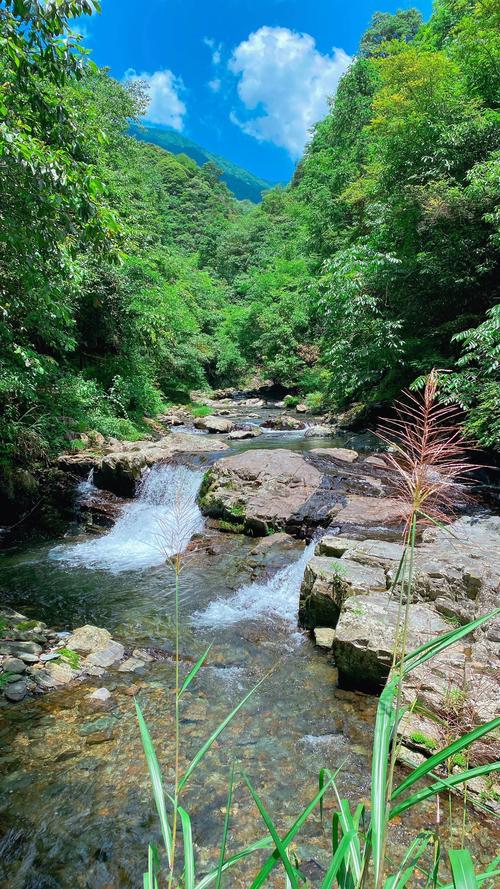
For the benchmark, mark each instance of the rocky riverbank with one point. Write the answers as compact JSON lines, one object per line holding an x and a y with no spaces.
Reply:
{"x":35,"y":659}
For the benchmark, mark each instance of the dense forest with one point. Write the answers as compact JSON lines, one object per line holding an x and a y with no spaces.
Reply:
{"x":130,"y":276}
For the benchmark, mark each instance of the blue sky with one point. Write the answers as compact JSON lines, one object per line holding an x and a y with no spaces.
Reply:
{"x":243,"y":78}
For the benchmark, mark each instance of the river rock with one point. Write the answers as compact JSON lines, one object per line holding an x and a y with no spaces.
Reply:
{"x":214,"y":424}
{"x":16,"y":691}
{"x":120,"y":470}
{"x":377,"y":553}
{"x":284,"y":423}
{"x":97,"y":645}
{"x":319,"y":431}
{"x":328,"y":583}
{"x":100,"y":696}
{"x":26,"y":651}
{"x":263,"y":490}
{"x":324,"y":636}
{"x":371,"y":516}
{"x":302,"y":408}
{"x":13,"y":665}
{"x":54,"y":674}
{"x":344,"y":454}
{"x":241,"y":434}
{"x":130,"y":665}
{"x":364,"y":638}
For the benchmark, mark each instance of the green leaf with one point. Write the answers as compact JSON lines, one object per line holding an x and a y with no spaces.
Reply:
{"x":445,"y":753}
{"x":192,"y":673}
{"x":225,"y":829}
{"x":156,"y":782}
{"x":187,"y":834}
{"x":409,"y":862}
{"x":273,"y":859}
{"x":443,"y":784}
{"x":220,"y":728}
{"x":337,"y":860}
{"x":281,"y":849}
{"x":384,"y":727}
{"x":462,"y":869}
{"x":430,"y":649}
{"x":263,"y":843}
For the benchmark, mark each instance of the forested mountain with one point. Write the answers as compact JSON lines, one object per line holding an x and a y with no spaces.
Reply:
{"x":129,"y":275}
{"x":244,"y":185}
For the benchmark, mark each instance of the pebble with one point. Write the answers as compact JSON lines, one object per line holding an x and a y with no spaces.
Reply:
{"x":131,"y":665}
{"x":100,"y":695}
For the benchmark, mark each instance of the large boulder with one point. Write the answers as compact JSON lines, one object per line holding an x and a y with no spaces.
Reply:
{"x":265,"y":491}
{"x":328,"y":582}
{"x":96,"y":645}
{"x":364,"y":638}
{"x":214,"y":424}
{"x":242,"y":434}
{"x":283,"y":423}
{"x":345,"y":455}
{"x":371,"y":516}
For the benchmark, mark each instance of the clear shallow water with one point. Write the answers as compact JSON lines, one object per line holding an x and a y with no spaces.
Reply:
{"x":75,"y":814}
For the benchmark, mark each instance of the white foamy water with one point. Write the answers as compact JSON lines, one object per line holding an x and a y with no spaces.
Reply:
{"x":276,"y":598}
{"x":158,"y":523}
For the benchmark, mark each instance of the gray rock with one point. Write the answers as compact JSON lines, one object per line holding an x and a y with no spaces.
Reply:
{"x":328,"y":583}
{"x":142,"y":654}
{"x":20,"y":649}
{"x":16,"y":691}
{"x":13,"y":665}
{"x":87,"y":639}
{"x":110,"y":654}
{"x":131,"y":665}
{"x":324,"y":636}
{"x":364,"y":638}
{"x":370,"y":514}
{"x":319,"y":431}
{"x":54,"y":675}
{"x":346,"y":455}
{"x":242,"y":434}
{"x":214,"y":424}
{"x":284,"y":423}
{"x":377,"y":553}
{"x":261,"y":489}
{"x":100,"y":695}
{"x":302,"y":408}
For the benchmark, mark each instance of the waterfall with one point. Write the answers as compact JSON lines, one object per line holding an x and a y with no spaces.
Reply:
{"x":276,"y":598}
{"x":158,"y":523}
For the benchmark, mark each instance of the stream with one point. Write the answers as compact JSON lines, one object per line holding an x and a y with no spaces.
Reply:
{"x":75,"y":805}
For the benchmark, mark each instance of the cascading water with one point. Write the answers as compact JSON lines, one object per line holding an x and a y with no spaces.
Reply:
{"x":276,"y":598}
{"x":159,"y":523}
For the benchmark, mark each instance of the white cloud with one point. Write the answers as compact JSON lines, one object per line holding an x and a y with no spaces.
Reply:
{"x":215,"y":84}
{"x":283,"y":74}
{"x":215,"y":49}
{"x":164,"y":89}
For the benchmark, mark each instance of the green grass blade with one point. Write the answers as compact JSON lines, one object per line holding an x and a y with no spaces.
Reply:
{"x":225,"y":830}
{"x":462,"y":869}
{"x":409,"y":862}
{"x":220,"y":728}
{"x":187,"y":834}
{"x":440,"y":643}
{"x":480,"y":879}
{"x":263,"y":843}
{"x":153,"y":867}
{"x":274,"y":857}
{"x":156,"y":782}
{"x":385,"y":724}
{"x":444,"y":754}
{"x":337,"y":861}
{"x":274,"y":835}
{"x":192,"y":673}
{"x":443,"y":784}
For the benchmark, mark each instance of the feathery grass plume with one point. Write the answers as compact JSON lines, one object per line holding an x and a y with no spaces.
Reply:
{"x":428,"y":453}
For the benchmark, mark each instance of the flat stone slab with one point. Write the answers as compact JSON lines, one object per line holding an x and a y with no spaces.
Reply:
{"x":369,"y":514}
{"x":328,"y":582}
{"x":364,"y":638}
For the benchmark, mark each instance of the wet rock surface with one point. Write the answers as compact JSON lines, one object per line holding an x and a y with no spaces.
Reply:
{"x":55,"y":660}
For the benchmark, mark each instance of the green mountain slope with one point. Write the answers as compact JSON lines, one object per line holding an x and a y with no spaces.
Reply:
{"x":244,"y":185}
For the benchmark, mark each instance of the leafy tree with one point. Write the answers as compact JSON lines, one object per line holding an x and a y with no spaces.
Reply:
{"x":384,"y":27}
